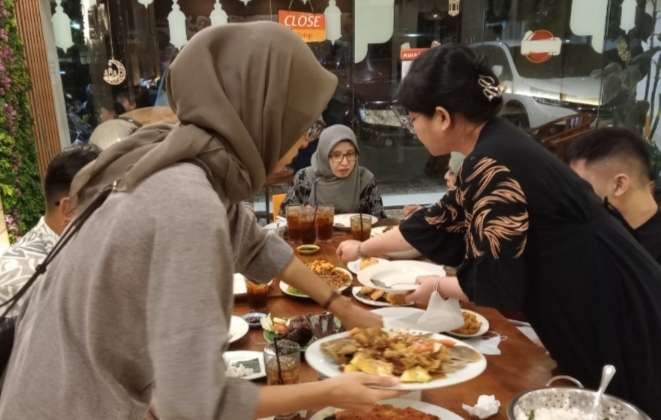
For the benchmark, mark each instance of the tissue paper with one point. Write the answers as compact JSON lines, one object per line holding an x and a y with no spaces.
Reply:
{"x":487,"y":406}
{"x":441,"y":315}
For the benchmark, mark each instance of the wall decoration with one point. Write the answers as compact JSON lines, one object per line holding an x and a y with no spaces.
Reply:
{"x":20,"y":187}
{"x":628,"y":15}
{"x":588,"y":17}
{"x":85,"y":6}
{"x":218,"y":16}
{"x":177,"y":25}
{"x":115,"y":72}
{"x":333,"y":16}
{"x":453,"y":7}
{"x":374,"y":24}
{"x":62,"y":27}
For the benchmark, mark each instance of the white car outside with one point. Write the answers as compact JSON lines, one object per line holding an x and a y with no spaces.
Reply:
{"x":544,"y":92}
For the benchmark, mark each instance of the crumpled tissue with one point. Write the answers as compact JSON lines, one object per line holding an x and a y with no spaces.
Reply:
{"x":488,"y":346}
{"x":441,"y":315}
{"x":487,"y":406}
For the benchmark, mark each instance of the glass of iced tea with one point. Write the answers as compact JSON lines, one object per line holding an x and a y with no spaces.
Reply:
{"x":257,"y":294}
{"x":307,"y":225}
{"x":324,"y":222}
{"x":293,"y":214}
{"x":361,"y":226}
{"x":283,"y":366}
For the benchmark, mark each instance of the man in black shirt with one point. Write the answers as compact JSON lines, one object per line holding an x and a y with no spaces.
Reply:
{"x":617,"y":163}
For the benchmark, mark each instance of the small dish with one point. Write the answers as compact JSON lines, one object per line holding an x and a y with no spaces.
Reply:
{"x":484,"y":326}
{"x":308,"y":249}
{"x":254,"y":319}
{"x":253,"y":361}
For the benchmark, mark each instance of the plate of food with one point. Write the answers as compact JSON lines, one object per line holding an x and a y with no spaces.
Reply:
{"x":343,"y":221}
{"x":393,"y":409}
{"x":292,"y":291}
{"x":301,"y":329}
{"x":398,"y":276}
{"x":244,"y":364}
{"x":374,"y":297}
{"x":363,"y":263}
{"x":420,"y":360}
{"x":475,"y":325}
{"x":238,"y":328}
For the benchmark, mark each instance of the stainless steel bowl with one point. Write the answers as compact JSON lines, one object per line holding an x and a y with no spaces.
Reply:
{"x":612,"y":408}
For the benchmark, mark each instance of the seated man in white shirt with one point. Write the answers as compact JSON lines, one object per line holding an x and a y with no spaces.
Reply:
{"x":19,"y":262}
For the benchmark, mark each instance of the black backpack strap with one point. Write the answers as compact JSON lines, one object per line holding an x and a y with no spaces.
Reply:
{"x":73,"y":228}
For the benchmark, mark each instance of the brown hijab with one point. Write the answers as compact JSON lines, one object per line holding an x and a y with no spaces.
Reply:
{"x":243,"y":94}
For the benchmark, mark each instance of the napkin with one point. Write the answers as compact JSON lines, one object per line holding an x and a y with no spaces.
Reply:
{"x":488,"y":346}
{"x":441,"y":315}
{"x":487,"y":406}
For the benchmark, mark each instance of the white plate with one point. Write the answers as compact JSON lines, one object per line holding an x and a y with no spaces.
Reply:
{"x":239,"y":286}
{"x":327,"y":367}
{"x":344,"y":220}
{"x":367,"y":301}
{"x":426,"y":408}
{"x":238,"y":328}
{"x":285,"y":289}
{"x":376,"y":231}
{"x":484,"y":326}
{"x":233,"y":357}
{"x":399,"y":276}
{"x":354,"y":266}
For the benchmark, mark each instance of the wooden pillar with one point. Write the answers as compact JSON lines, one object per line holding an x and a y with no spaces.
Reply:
{"x":41,"y":100}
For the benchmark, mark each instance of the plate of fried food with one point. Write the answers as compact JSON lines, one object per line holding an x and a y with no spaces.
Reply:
{"x":363,"y":263}
{"x":393,"y":409}
{"x":375,"y":297}
{"x":336,"y":277}
{"x":420,"y":360}
{"x":475,"y":325}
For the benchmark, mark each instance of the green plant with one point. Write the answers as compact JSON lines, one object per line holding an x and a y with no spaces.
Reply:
{"x":627,"y":68}
{"x":19,"y":180}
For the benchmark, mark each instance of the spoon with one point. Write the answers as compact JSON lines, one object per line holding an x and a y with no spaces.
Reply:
{"x":607,"y":374}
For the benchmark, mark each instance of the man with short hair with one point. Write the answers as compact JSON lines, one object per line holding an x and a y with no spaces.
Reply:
{"x":617,"y":163}
{"x":19,"y":262}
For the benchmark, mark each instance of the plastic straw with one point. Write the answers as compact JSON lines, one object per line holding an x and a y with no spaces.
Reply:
{"x":277,"y":359}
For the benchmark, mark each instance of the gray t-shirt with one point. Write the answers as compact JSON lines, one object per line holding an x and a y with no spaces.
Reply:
{"x":136,"y":309}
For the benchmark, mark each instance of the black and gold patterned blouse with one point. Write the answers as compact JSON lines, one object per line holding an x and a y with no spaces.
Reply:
{"x":530,"y":236}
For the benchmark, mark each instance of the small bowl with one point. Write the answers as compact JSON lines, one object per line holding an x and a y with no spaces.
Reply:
{"x":254,"y":319}
{"x":308,"y":249}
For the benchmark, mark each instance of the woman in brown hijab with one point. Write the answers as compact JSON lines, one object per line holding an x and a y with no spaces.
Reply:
{"x":136,"y":308}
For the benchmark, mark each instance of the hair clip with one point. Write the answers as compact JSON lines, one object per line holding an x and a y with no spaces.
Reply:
{"x":489,"y":87}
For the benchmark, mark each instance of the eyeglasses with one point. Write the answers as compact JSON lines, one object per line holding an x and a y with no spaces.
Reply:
{"x":338,"y":157}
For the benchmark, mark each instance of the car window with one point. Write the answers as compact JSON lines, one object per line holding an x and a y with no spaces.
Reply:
{"x":496,"y":57}
{"x":574,"y":60}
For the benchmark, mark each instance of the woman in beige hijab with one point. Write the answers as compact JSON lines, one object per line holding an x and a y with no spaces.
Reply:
{"x":136,"y":308}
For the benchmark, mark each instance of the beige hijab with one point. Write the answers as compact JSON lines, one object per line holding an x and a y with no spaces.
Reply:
{"x":243,"y":94}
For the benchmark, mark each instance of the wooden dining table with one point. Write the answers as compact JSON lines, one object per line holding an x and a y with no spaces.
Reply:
{"x":523,"y":365}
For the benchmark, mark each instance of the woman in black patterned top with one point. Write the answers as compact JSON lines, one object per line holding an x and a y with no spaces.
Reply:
{"x":335,"y":178}
{"x":527,"y":234}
